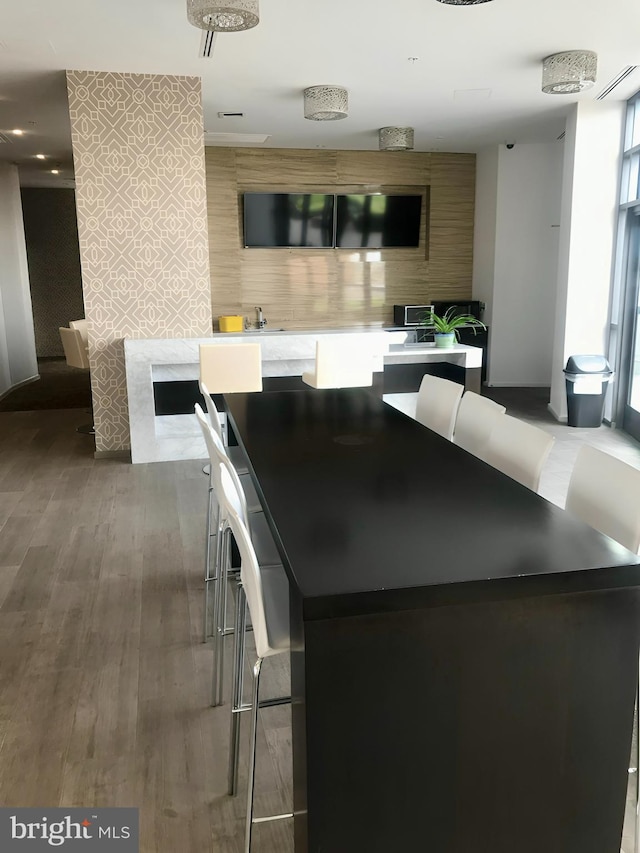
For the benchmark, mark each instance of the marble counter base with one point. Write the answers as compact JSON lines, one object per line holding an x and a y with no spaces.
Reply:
{"x":172,"y":437}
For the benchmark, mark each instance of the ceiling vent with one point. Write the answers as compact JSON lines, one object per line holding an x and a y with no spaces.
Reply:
{"x":207,"y":43}
{"x":5,"y":138}
{"x":230,"y":115}
{"x":608,"y":89}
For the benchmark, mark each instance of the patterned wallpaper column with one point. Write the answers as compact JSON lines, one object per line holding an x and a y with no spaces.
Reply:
{"x":140,"y":192}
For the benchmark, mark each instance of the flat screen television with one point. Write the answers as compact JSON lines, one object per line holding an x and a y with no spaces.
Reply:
{"x":377,"y":221}
{"x":288,"y":220}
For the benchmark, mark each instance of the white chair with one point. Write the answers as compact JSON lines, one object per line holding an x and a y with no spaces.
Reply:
{"x":229,"y":368}
{"x":437,"y":404}
{"x":519,"y":450}
{"x":76,"y":354}
{"x":234,"y":452}
{"x":266,"y":592}
{"x":216,"y":571}
{"x":75,"y":351}
{"x":605,"y":492}
{"x":83,"y":327}
{"x":340,"y":363}
{"x":475,"y":419}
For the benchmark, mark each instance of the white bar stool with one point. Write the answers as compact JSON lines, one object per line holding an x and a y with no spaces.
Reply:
{"x":266,"y":592}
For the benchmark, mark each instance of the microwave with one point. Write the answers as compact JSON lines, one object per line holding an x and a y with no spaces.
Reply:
{"x":411,"y":315}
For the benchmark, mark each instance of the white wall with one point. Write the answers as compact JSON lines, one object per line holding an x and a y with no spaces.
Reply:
{"x":17,"y":344}
{"x":526,"y":205}
{"x":587,"y":231}
{"x":484,"y":229}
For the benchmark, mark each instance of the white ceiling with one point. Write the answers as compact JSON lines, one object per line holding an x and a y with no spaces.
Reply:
{"x":475,"y":80}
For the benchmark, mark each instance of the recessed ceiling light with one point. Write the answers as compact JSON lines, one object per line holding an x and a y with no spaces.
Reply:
{"x":17,"y":132}
{"x":40,"y":156}
{"x":55,"y":171}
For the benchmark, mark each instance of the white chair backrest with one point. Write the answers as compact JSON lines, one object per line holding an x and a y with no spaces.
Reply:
{"x":218,"y":457}
{"x":605,"y":492}
{"x":437,"y":404}
{"x":82,"y":327}
{"x":214,"y":415}
{"x":229,"y":368}
{"x":249,"y":568}
{"x":341,"y":363}
{"x":475,"y":420}
{"x":519,"y":450}
{"x":75,"y":351}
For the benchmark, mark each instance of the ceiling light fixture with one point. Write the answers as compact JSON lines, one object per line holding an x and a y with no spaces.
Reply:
{"x":326,"y":103}
{"x":40,"y":156}
{"x":55,"y":171}
{"x":223,"y":16}
{"x":569,"y":72}
{"x":395,"y":139}
{"x":17,"y":132}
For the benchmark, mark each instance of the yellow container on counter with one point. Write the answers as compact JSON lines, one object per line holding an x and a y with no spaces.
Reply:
{"x":231,"y":323}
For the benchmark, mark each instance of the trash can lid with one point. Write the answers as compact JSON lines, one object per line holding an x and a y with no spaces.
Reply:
{"x":587,"y":364}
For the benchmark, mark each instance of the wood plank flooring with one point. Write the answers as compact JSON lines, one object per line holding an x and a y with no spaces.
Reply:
{"x":104,"y":680}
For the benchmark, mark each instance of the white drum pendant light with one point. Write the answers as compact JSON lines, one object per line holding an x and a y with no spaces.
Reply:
{"x":223,"y":16}
{"x":569,"y":72}
{"x":395,"y":139}
{"x":326,"y":103}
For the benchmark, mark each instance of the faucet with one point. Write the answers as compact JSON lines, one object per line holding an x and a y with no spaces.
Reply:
{"x":261,"y":321}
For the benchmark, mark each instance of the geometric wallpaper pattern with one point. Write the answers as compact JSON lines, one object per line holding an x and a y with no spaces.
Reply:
{"x":138,"y":150}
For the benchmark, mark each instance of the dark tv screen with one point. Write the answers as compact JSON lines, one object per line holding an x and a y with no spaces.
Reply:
{"x":288,"y":220}
{"x":377,"y":221}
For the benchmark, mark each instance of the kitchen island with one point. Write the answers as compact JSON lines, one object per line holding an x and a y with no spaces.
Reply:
{"x":150,"y":363}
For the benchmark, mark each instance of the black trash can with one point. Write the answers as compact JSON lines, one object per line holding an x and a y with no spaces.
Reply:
{"x":586,"y":378}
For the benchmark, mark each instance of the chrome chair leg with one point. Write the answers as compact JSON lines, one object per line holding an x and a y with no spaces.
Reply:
{"x":224,"y":558}
{"x":237,"y":689}
{"x":252,"y":754}
{"x":207,"y":568}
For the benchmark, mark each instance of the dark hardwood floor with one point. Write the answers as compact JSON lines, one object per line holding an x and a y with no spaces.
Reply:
{"x":104,"y":680}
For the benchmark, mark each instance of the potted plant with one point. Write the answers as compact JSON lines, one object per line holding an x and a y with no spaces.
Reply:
{"x":445,"y":328}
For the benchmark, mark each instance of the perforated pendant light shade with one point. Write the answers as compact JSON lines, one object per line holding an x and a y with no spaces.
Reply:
{"x":395,"y":139}
{"x":326,"y":103}
{"x":569,"y":72}
{"x":223,"y":16}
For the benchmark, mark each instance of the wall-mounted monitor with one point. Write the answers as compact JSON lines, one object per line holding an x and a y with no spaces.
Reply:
{"x":377,"y":221}
{"x":288,"y":220}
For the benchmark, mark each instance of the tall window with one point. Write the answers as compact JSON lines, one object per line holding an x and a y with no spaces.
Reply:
{"x":624,"y":347}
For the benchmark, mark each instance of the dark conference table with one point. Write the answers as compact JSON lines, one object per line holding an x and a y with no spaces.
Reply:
{"x":465,"y":653}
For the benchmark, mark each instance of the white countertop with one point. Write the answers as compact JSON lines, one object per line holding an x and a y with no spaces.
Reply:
{"x":284,"y":353}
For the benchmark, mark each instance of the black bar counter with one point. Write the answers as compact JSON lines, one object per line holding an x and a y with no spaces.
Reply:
{"x":465,"y":653}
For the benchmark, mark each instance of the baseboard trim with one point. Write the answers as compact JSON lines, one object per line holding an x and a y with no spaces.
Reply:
{"x":113,"y":454}
{"x":19,"y":385}
{"x":562,"y":419}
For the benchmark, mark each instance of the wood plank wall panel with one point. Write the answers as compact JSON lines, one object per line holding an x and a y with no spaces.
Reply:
{"x":293,"y":167}
{"x":311,"y":288}
{"x":380,"y":168}
{"x":224,"y":231}
{"x":452,"y":211}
